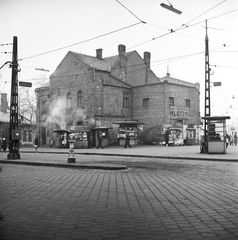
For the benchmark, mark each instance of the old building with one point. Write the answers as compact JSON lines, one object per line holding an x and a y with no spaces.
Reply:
{"x":97,"y":92}
{"x":27,"y":129}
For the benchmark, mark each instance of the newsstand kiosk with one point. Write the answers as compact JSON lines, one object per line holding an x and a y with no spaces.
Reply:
{"x":130,"y":127}
{"x":215,"y":137}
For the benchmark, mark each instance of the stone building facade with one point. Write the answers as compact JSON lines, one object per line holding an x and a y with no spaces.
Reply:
{"x":96,"y":92}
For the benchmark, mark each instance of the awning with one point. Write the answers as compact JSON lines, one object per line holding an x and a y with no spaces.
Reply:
{"x":61,"y":131}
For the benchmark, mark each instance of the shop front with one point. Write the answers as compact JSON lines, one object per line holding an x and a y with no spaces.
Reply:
{"x":81,"y":136}
{"x":103,"y":131}
{"x":130,"y":127}
{"x":61,"y":139}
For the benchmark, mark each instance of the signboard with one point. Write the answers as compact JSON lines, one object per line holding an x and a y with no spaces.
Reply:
{"x":25,"y":84}
{"x":177,"y":113}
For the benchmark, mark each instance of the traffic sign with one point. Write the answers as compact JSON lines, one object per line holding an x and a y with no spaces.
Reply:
{"x":25,"y":84}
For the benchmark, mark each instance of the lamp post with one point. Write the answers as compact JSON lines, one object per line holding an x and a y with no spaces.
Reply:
{"x":170,"y":8}
{"x":14,"y":132}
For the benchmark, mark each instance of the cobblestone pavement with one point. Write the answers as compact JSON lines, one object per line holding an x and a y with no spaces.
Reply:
{"x":172,"y":199}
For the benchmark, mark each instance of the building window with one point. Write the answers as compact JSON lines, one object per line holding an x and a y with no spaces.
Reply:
{"x":187,"y":103}
{"x":69,"y":100}
{"x":171,"y":101}
{"x":126,"y":100}
{"x":79,"y":98}
{"x":44,"y":107}
{"x":146,"y":102}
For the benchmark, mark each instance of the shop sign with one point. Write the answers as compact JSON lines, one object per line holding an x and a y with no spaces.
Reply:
{"x":177,"y":113}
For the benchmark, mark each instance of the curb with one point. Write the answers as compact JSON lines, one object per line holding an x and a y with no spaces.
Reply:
{"x":147,"y":156}
{"x":64,"y":165}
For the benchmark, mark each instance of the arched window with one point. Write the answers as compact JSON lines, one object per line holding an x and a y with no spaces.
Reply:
{"x":69,"y":100}
{"x":79,"y":98}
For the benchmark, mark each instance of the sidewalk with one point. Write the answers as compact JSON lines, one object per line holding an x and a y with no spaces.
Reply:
{"x":152,"y":151}
{"x":96,"y":158}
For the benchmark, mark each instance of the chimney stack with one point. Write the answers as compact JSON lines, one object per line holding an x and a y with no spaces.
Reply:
{"x":122,"y":62}
{"x":121,"y":49}
{"x":4,"y":103}
{"x":147,"y":66}
{"x":99,"y":53}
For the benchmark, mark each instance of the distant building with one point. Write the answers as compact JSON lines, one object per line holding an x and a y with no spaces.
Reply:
{"x":24,"y":123}
{"x":97,"y":92}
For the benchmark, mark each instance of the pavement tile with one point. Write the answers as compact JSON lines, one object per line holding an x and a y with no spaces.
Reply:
{"x":134,"y":204}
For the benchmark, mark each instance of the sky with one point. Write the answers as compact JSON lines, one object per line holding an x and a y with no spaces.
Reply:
{"x":48,"y":29}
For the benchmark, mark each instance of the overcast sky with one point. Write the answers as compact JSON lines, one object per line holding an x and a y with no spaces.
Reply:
{"x":176,"y":42}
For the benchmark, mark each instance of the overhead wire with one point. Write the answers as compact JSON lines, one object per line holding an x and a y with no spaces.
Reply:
{"x":87,"y":40}
{"x":201,"y":14}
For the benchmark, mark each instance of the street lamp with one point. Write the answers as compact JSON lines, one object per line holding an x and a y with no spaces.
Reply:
{"x":170,"y":8}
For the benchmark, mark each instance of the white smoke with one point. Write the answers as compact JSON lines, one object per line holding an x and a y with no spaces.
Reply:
{"x":60,"y":115}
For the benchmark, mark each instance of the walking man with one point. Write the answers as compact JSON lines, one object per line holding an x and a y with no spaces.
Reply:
{"x":235,"y":139}
{"x":127,"y":142}
{"x":100,"y":140}
{"x":36,"y":144}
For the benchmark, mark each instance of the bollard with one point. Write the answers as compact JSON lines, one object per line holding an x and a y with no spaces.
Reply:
{"x":71,"y":158}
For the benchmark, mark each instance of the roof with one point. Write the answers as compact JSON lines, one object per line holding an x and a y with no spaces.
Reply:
{"x":177,"y":81}
{"x":216,"y":117}
{"x":105,"y":64}
{"x":129,"y":123}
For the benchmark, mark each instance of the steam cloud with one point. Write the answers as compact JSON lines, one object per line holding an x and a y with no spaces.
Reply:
{"x":60,"y":115}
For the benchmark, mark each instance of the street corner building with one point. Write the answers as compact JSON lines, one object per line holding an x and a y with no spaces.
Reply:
{"x":26,"y":127}
{"x":92,"y":95}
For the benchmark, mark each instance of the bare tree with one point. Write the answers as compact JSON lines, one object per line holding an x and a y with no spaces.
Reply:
{"x":27,"y":100}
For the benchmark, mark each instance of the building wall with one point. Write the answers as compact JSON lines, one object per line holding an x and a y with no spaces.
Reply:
{"x":153,"y":114}
{"x":102,"y":96}
{"x":159,"y":111}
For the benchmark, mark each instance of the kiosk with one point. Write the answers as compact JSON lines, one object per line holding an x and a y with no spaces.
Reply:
{"x":215,"y":138}
{"x":104,"y":132}
{"x":132,"y":127}
{"x":81,"y":136}
{"x":61,"y":140}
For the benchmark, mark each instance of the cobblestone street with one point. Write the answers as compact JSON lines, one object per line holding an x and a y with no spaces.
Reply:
{"x":171,"y":200}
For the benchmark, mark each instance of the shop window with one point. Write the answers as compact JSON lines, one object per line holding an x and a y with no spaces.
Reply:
{"x":171,"y":101}
{"x":79,"y":98}
{"x":126,"y":100}
{"x":146,"y":102}
{"x":187,"y":103}
{"x":69,"y":100}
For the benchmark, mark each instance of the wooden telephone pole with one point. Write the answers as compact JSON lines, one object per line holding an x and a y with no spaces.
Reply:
{"x":14,"y":132}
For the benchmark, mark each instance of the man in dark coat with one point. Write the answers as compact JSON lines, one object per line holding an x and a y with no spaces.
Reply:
{"x":100,"y":140}
{"x":4,"y":144}
{"x":127,"y":142}
{"x":36,"y":144}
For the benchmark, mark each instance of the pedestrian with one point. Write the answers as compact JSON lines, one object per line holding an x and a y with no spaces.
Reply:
{"x":51,"y":142}
{"x":36,"y":144}
{"x":227,"y":139}
{"x":100,"y":141}
{"x":231,"y":139}
{"x":127,"y":142}
{"x":235,"y":139}
{"x":4,"y":144}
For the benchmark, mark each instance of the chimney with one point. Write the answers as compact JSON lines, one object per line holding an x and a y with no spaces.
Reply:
{"x":147,"y":66}
{"x":122,"y":62}
{"x":121,"y":49}
{"x":99,"y":53}
{"x":4,"y":103}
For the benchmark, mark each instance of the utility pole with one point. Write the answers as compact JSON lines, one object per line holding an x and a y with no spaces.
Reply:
{"x":14,"y":132}
{"x":207,"y":109}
